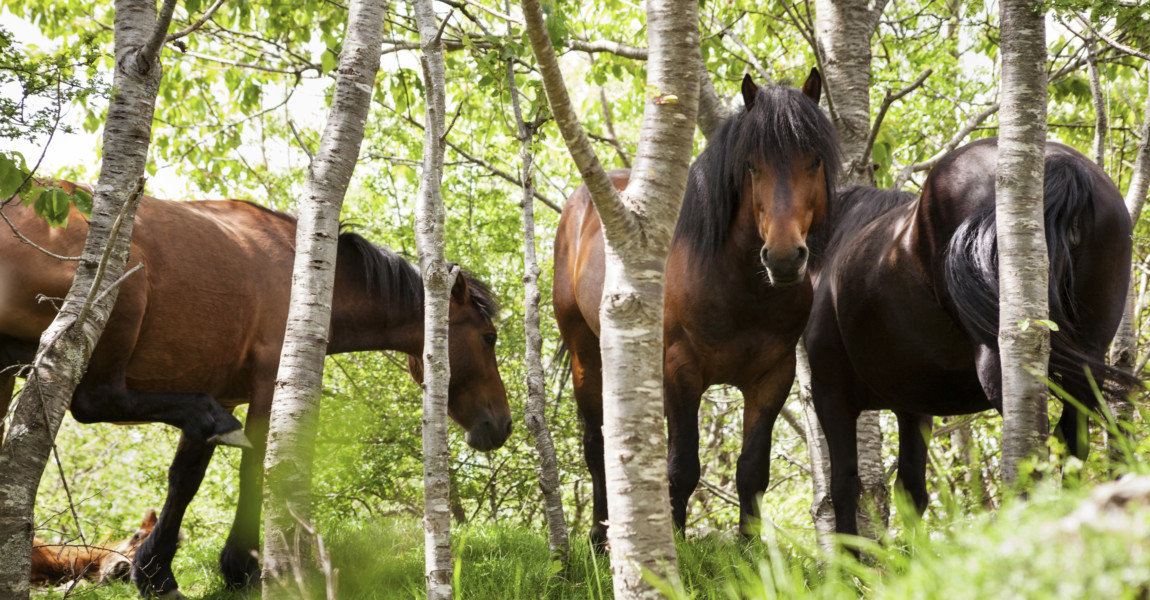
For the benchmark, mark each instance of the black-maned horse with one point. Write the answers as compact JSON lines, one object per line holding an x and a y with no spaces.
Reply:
{"x":199,"y":329}
{"x":737,"y":291}
{"x":905,"y":315}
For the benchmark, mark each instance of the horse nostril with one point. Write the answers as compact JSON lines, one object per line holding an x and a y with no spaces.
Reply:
{"x":507,"y":433}
{"x":801,"y":254}
{"x":765,"y":255}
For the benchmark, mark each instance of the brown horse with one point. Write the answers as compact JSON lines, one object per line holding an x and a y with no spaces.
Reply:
{"x":737,"y":292}
{"x":53,"y":564}
{"x":906,"y":305}
{"x":198,"y":331}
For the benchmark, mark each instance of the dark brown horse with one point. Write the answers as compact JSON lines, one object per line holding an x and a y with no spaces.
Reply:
{"x":198,"y":331}
{"x":906,"y":305}
{"x":53,"y":564}
{"x":737,"y":291}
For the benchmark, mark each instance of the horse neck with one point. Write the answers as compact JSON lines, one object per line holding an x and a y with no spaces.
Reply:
{"x":364,"y":321}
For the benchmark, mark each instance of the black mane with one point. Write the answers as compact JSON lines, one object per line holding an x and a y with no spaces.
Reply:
{"x":849,"y":211}
{"x":781,"y":126}
{"x":390,"y":275}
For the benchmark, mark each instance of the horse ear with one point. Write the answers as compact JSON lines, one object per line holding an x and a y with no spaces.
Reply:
{"x":750,"y":90}
{"x":149,"y":519}
{"x":813,"y":86}
{"x":460,"y":293}
{"x":415,"y":367}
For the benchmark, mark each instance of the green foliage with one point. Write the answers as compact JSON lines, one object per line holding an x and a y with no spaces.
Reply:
{"x":227,"y":129}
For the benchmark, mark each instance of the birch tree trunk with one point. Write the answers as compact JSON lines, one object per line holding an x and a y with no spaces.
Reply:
{"x":437,"y":282}
{"x":638,"y":225}
{"x":1098,"y":97}
{"x":844,"y":29}
{"x":1125,"y":347}
{"x":295,"y":405}
{"x":535,"y":414}
{"x":822,"y":511}
{"x":1024,"y":345}
{"x":67,"y":344}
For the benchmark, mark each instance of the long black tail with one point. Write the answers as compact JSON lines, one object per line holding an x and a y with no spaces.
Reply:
{"x":972,"y":280}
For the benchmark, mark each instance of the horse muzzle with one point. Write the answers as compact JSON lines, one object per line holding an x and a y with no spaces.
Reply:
{"x":489,"y":434}
{"x":785,"y":268}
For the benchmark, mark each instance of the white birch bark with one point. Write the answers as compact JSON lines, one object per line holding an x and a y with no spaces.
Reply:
{"x":67,"y":344}
{"x":1023,"y":264}
{"x":295,"y":406}
{"x":1098,"y":97}
{"x":1125,"y":345}
{"x":638,"y":225}
{"x":844,"y":29}
{"x":822,"y":511}
{"x":875,"y":494}
{"x":437,"y":283}
{"x":535,"y":415}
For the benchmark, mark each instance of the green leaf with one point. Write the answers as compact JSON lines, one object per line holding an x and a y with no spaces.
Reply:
{"x":192,"y":6}
{"x":327,"y":61}
{"x":83,"y":201}
{"x":11,"y":176}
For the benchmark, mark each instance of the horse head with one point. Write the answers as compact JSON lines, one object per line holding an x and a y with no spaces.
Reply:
{"x":476,"y":397}
{"x":117,"y":563}
{"x":787,"y":178}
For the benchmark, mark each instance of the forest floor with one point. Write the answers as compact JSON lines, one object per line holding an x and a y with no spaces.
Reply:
{"x":1057,"y":544}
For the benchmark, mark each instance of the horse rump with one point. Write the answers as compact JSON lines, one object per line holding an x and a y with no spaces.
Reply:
{"x":971,"y":274}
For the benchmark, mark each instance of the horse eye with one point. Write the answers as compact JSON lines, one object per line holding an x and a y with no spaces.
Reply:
{"x":816,"y":163}
{"x":490,"y":338}
{"x":750,"y":168}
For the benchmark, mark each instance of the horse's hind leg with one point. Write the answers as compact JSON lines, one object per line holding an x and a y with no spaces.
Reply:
{"x":152,"y":565}
{"x":762,"y":404}
{"x":197,"y":415}
{"x":587,"y":378}
{"x":238,"y":563}
{"x":913,"y":433}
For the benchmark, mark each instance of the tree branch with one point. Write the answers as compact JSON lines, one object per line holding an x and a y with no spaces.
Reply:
{"x":1110,"y":41}
{"x":611,"y":47}
{"x":199,"y":23}
{"x":887,"y":101}
{"x":151,"y":50}
{"x":607,"y":201}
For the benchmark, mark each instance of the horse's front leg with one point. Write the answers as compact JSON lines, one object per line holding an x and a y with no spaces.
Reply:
{"x":152,"y":565}
{"x":682,"y":392}
{"x":239,"y":559}
{"x":762,"y":402}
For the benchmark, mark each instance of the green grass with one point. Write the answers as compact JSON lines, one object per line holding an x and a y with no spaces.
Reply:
{"x":1025,"y":550}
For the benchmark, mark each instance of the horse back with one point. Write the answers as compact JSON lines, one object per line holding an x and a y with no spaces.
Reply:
{"x":212,"y":290}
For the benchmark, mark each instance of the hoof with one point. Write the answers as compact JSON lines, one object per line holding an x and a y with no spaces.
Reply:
{"x":239,"y":570}
{"x":234,"y":438}
{"x":599,"y":538}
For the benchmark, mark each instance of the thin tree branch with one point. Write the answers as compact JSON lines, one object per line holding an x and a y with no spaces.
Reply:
{"x":199,"y":23}
{"x":611,"y":47}
{"x":303,"y":146}
{"x":1110,"y":41}
{"x":887,"y":101}
{"x":133,"y":197}
{"x":236,"y":63}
